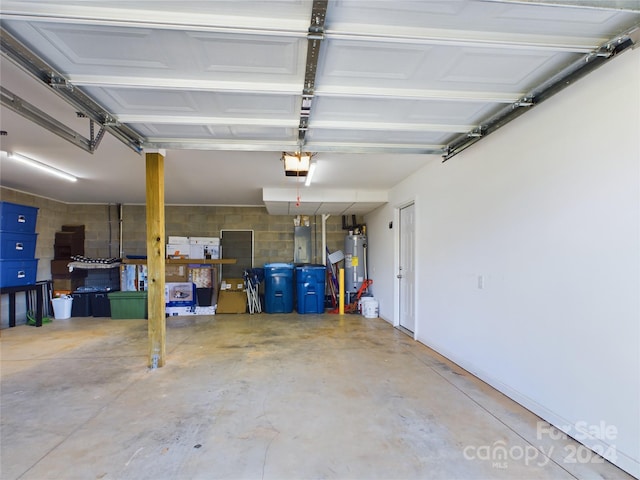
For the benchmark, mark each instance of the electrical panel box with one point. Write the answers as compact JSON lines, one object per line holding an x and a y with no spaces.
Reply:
{"x":302,"y":252}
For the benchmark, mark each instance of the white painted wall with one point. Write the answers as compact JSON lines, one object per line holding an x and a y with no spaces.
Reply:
{"x":547,"y":211}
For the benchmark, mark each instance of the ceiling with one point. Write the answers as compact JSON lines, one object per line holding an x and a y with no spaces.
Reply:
{"x":376,"y":89}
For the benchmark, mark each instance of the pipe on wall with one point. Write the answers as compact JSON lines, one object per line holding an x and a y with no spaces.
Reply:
{"x":120,"y":249}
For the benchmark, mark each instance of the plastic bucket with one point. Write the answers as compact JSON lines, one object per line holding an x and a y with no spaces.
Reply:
{"x":62,"y":307}
{"x":369,"y":307}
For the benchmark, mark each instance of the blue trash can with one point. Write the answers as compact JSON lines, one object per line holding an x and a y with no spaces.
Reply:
{"x":278,"y":288}
{"x":310,"y":286}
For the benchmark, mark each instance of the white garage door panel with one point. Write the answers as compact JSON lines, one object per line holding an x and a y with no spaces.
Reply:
{"x":412,"y":16}
{"x":399,"y":110}
{"x":398,"y":67}
{"x":138,"y":101}
{"x":230,"y":13}
{"x":131,"y":52}
{"x":378,"y":136}
{"x":176,"y":131}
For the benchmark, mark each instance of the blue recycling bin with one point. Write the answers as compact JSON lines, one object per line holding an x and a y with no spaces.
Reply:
{"x":278,"y":288}
{"x":310,"y":286}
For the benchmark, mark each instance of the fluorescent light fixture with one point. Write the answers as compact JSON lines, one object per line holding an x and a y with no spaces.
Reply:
{"x":312,"y":169}
{"x":296,"y":164}
{"x":41,"y":166}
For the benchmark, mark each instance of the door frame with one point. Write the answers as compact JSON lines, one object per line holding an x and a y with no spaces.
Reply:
{"x":396,"y":264}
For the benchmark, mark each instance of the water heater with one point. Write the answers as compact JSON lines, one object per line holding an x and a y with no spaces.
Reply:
{"x":355,"y":262}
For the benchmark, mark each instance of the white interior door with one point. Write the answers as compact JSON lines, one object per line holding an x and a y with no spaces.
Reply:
{"x":406,"y":271}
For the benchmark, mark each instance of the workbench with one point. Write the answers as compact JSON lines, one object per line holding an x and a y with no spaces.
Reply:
{"x":183,"y":261}
{"x":11,"y":291}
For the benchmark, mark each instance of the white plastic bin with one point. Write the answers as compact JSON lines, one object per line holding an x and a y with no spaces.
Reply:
{"x":62,"y":307}
{"x":369,"y":307}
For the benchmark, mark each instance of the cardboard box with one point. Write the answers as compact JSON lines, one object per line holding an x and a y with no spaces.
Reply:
{"x":76,"y":274}
{"x":67,"y":251}
{"x":178,"y":250}
{"x":179,"y":311}
{"x":205,"y":310}
{"x":204,"y":276}
{"x":204,"y":240}
{"x":175,"y":273}
{"x":67,"y":284}
{"x":212,"y":251}
{"x":68,"y":239}
{"x":180,"y":294}
{"x":177,"y":240}
{"x":78,"y":229}
{"x":59,"y":293}
{"x":196,"y":251}
{"x":60,"y":267}
{"x":231,"y":302}
{"x":232,"y":285}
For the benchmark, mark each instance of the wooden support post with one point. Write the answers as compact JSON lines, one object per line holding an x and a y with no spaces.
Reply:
{"x":156,"y":257}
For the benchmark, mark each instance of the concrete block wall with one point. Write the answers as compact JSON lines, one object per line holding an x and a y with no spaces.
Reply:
{"x":273,"y":234}
{"x":100,"y":228}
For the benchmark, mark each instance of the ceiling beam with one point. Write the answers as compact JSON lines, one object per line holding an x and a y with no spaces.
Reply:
{"x":415,"y":94}
{"x":202,"y":85}
{"x":201,"y":120}
{"x":278,"y":146}
{"x":389,"y":127}
{"x":400,"y":148}
{"x":218,"y":144}
{"x":464,"y":38}
{"x":291,"y":123}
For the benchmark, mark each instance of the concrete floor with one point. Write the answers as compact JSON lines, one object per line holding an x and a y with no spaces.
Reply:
{"x":260,"y":397}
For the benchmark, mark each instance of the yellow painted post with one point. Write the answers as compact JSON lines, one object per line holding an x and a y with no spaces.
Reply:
{"x":156,"y":257}
{"x":341,"y":304}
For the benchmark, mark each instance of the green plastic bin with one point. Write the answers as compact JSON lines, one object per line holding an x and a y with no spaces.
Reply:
{"x":128,"y":305}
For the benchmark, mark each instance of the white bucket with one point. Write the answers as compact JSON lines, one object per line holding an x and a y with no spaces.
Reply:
{"x":62,"y":307}
{"x":369,"y":307}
